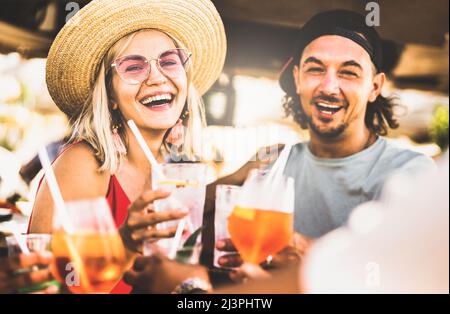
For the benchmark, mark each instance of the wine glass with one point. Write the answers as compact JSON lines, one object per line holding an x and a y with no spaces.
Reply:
{"x":261,"y":223}
{"x":89,"y":257}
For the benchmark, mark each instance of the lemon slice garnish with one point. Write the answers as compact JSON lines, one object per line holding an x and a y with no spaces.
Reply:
{"x":244,"y":213}
{"x":179,"y":183}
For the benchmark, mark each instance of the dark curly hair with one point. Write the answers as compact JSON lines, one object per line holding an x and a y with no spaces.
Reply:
{"x":379,"y":114}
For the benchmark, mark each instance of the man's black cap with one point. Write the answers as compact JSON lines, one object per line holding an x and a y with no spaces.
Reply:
{"x":343,"y":23}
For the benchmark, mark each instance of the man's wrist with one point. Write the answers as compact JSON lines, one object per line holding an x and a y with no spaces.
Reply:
{"x":193,"y":285}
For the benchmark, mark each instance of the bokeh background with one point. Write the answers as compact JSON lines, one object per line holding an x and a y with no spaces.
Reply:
{"x":243,"y":108}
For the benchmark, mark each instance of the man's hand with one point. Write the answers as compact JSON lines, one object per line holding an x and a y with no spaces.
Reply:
{"x":12,"y":281}
{"x":232,"y":258}
{"x":158,"y":274}
{"x":294,"y":253}
{"x":262,"y":159}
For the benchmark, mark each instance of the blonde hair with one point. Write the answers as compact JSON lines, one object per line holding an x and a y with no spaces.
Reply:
{"x":94,"y":124}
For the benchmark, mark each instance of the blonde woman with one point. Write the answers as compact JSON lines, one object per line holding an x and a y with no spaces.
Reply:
{"x":144,"y":60}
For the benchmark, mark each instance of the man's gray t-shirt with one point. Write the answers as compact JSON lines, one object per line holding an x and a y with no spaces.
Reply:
{"x":326,"y":190}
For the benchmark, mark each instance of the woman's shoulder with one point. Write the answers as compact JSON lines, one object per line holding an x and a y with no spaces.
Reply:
{"x":77,"y":154}
{"x":78,"y":164}
{"x":78,"y":177}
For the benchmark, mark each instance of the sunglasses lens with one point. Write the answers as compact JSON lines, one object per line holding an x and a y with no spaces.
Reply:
{"x":133,"y":69}
{"x":173,"y":62}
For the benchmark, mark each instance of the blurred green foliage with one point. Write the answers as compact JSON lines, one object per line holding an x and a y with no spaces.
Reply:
{"x":439,"y":127}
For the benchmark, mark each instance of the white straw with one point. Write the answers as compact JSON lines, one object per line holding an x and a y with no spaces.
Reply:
{"x":20,"y":240}
{"x":190,"y":226}
{"x":145,"y":149}
{"x":63,"y":217}
{"x":177,"y":239}
{"x":279,"y":165}
{"x":54,"y":191}
{"x":156,"y":167}
{"x":178,"y":234}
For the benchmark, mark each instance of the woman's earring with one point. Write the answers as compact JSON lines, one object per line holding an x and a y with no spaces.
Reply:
{"x":176,"y":135}
{"x":118,"y":143}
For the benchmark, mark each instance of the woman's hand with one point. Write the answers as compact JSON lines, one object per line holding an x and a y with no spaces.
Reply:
{"x":12,"y":281}
{"x":142,"y":220}
{"x":158,"y":274}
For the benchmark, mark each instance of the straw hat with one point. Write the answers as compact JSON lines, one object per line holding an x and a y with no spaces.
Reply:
{"x":76,"y":54}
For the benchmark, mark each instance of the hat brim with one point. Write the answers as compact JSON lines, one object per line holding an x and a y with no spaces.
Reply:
{"x":80,"y":46}
{"x":286,"y":79}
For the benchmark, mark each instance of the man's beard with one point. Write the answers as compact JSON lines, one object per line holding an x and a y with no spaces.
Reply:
{"x":329,"y":133}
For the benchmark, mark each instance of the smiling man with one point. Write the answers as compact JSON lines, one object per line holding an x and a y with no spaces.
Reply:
{"x":333,"y":87}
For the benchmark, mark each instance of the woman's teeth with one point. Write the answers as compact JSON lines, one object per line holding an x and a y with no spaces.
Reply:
{"x":157,"y":100}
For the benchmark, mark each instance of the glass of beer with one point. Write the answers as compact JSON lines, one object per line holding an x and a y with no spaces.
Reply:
{"x":91,"y":257}
{"x":261,"y":223}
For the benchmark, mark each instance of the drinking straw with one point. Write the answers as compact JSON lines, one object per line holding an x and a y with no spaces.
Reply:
{"x":189,"y":225}
{"x":277,"y":169}
{"x":61,"y":211}
{"x":148,"y":153}
{"x":20,"y":241}
{"x":177,"y":239}
{"x":155,"y":166}
{"x":63,"y":216}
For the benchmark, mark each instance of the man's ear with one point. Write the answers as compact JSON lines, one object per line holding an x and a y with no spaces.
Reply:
{"x":377,"y":86}
{"x":295,"y":74}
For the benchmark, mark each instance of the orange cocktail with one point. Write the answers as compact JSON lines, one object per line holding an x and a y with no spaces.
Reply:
{"x":88,"y":263}
{"x":89,"y":253}
{"x":258,"y":233}
{"x":261,"y":223}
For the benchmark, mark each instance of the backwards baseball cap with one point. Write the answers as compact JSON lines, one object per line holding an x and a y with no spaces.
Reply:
{"x":343,"y":23}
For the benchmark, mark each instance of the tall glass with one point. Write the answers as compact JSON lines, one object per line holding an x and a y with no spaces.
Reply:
{"x":226,"y":199}
{"x":187,"y":182}
{"x":37,"y":243}
{"x":91,"y":257}
{"x":262,"y":221}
